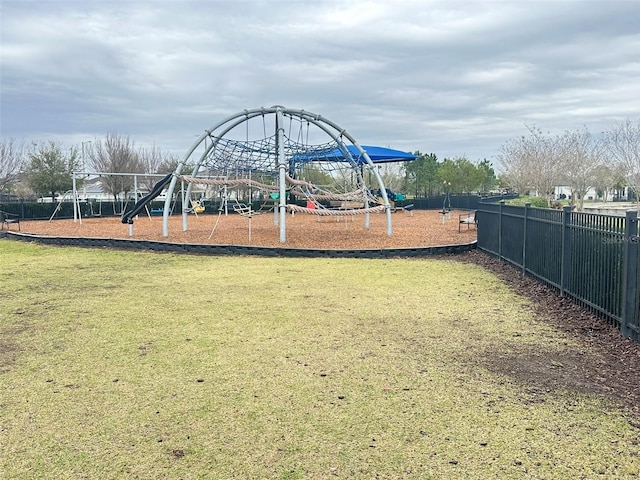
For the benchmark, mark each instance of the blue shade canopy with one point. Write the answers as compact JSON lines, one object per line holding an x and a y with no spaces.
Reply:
{"x":376,"y":154}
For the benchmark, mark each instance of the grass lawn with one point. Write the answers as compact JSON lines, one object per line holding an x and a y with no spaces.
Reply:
{"x":142,"y":365}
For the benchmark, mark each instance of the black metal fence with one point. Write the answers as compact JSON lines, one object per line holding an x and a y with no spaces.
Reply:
{"x":60,"y":210}
{"x":64,"y":210}
{"x":462,"y":202}
{"x":592,"y":258}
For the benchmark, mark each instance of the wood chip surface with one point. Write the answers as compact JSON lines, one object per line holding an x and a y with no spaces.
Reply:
{"x":422,"y":228}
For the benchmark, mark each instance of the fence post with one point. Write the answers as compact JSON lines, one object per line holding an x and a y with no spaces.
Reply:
{"x":527,"y":206}
{"x":500,"y":230}
{"x":565,"y":269}
{"x":629,"y":271}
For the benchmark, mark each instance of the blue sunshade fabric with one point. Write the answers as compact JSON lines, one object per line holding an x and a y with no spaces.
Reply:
{"x":376,"y":154}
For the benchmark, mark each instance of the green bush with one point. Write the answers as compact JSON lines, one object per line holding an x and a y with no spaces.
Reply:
{"x":539,"y":202}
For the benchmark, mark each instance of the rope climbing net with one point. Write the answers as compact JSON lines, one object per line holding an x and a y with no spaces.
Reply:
{"x":299,"y":159}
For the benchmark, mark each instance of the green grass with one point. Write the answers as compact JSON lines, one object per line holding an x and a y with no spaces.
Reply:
{"x":143,"y":365}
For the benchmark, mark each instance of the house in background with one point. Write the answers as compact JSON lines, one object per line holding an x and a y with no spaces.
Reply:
{"x":562,"y":192}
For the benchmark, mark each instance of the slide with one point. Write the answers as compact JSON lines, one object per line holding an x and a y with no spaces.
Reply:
{"x":127,"y":217}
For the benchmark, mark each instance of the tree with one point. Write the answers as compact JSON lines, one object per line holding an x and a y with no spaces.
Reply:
{"x":49,"y":171}
{"x":170,"y":163}
{"x":622,"y":143}
{"x":532,"y":162}
{"x":515,"y":170}
{"x":605,"y":178}
{"x":391,"y":177}
{"x":116,"y":155}
{"x":460,"y":175}
{"x":11,"y":161}
{"x":153,"y":160}
{"x":490,"y":179}
{"x":581,"y":155}
{"x":313,"y":174}
{"x":421,"y":174}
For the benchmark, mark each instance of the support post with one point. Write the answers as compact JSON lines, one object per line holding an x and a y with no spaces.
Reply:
{"x":629,"y":272}
{"x":565,"y":268}
{"x":527,"y":206}
{"x":500,"y":229}
{"x":75,"y":200}
{"x":185,"y":213}
{"x":282,"y":169}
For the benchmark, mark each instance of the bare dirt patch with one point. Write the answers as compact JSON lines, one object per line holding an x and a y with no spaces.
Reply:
{"x":605,"y":363}
{"x":9,"y":350}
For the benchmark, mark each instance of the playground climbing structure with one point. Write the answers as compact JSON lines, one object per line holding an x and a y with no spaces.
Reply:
{"x":302,"y":161}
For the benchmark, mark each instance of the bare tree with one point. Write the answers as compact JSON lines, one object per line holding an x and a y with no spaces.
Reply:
{"x":153,"y":160}
{"x":392,"y":176}
{"x":543,"y":161}
{"x":116,"y":155}
{"x":581,"y":155}
{"x":623,"y":145}
{"x":11,"y":161}
{"x":532,"y":161}
{"x":606,"y":177}
{"x":514,"y":165}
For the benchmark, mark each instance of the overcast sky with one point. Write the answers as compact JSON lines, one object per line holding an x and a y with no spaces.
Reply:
{"x":447,"y":77}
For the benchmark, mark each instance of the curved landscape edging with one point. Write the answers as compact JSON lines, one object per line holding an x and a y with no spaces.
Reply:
{"x":208,"y":249}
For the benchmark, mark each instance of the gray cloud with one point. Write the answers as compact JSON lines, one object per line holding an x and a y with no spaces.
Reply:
{"x":452,"y":78}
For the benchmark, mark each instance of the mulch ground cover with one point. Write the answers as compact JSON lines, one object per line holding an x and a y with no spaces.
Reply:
{"x":422,"y":228}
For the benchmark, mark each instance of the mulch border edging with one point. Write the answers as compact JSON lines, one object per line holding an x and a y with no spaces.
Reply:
{"x":208,"y":249}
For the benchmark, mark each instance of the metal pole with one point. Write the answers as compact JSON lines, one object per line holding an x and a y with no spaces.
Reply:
{"x":282,"y":167}
{"x":527,"y":206}
{"x":629,"y":273}
{"x":84,"y":169}
{"x":500,"y":230}
{"x":75,"y":197}
{"x":185,"y":213}
{"x":565,"y":266}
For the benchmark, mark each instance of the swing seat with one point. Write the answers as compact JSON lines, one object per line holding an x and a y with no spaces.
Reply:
{"x":243,"y":209}
{"x":197,"y":207}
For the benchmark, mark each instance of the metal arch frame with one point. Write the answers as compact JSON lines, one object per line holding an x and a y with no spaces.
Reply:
{"x":244,"y":116}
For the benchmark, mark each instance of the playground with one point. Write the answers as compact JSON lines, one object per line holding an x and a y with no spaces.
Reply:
{"x":416,"y":228}
{"x":319,"y":188}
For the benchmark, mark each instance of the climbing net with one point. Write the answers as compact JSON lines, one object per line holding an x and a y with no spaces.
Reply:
{"x":318,"y":174}
{"x":300,"y":160}
{"x":301,"y":189}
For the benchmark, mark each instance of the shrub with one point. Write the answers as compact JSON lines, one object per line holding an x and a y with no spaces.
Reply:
{"x":539,"y":202}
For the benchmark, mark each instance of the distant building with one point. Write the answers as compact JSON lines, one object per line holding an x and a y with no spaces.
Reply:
{"x":562,"y":192}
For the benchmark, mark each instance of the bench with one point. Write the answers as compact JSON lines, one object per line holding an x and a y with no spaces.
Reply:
{"x":9,"y":218}
{"x":468,"y":219}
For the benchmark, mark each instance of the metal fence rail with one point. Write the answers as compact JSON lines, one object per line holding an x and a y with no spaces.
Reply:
{"x":590,"y":257}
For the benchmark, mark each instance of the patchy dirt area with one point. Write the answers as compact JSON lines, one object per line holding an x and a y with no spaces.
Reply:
{"x":420,"y":228}
{"x":606,"y":364}
{"x":8,"y":350}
